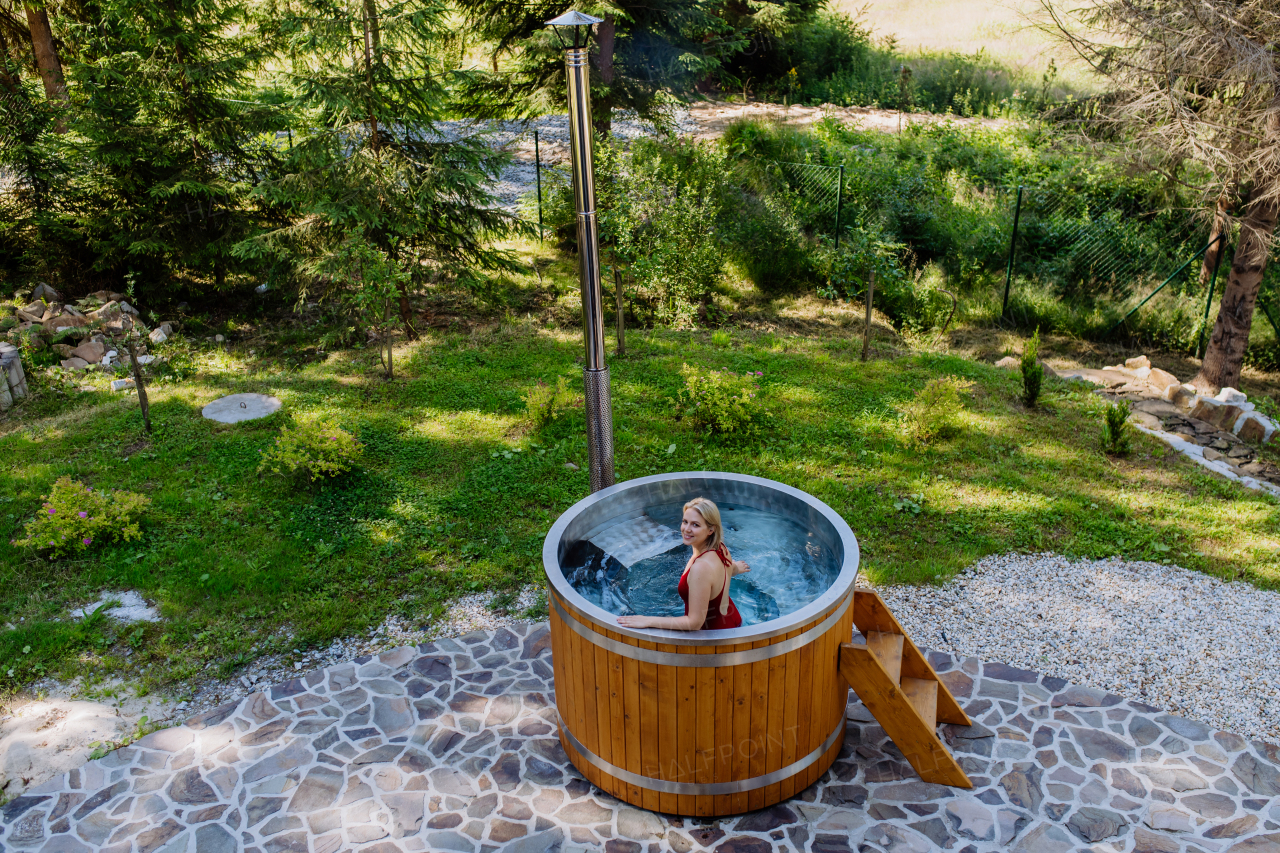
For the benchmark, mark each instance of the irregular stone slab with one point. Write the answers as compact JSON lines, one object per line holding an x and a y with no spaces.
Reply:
{"x":1151,"y":842}
{"x":1101,"y":744}
{"x":1174,"y":778}
{"x":1046,"y":838}
{"x":235,"y":408}
{"x":318,"y":790}
{"x":1259,"y":777}
{"x":971,"y":820}
{"x":1093,"y":824}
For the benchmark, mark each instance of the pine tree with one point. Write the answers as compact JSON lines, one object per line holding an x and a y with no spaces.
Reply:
{"x":372,"y":184}
{"x":643,"y":53}
{"x":166,"y":139}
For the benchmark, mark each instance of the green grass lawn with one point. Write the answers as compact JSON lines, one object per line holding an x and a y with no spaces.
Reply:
{"x":455,"y":494}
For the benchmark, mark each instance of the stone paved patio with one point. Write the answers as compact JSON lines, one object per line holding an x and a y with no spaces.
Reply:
{"x":451,"y":746}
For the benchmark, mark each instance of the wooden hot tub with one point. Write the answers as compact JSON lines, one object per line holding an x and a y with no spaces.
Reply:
{"x":703,"y":722}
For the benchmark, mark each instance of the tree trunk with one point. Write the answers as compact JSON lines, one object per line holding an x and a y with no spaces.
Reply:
{"x":406,"y":317}
{"x":138,"y":384}
{"x":1224,"y":357}
{"x":1216,"y":250}
{"x":386,"y":330}
{"x":9,"y":81}
{"x":620,"y":309}
{"x":372,"y":49}
{"x":47,"y":61}
{"x":602,"y":108}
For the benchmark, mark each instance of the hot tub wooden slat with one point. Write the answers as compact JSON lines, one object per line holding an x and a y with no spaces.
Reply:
{"x":741,"y":731}
{"x":649,"y":726}
{"x":774,"y":734}
{"x":759,"y":724}
{"x":667,"y":713}
{"x":617,"y":709}
{"x":724,"y":730}
{"x":686,"y":732}
{"x":790,"y":684}
{"x":631,"y":703}
{"x":597,"y":704}
{"x":604,"y":720}
{"x":704,"y":771}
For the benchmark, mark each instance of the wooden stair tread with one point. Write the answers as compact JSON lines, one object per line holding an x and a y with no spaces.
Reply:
{"x":888,"y":650}
{"x":922,"y":693}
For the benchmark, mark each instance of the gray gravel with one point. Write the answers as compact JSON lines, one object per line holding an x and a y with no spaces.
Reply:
{"x":1164,"y":635}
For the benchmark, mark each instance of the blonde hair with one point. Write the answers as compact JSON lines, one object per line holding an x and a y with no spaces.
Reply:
{"x":711,"y":515}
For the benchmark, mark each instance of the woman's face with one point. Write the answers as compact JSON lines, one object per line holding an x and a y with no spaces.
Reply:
{"x":693,"y":528}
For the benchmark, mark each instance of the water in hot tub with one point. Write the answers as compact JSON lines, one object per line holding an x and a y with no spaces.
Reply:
{"x":635,"y":566}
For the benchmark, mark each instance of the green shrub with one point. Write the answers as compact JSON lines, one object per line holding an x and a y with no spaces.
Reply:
{"x":318,"y":449}
{"x":1115,"y":428}
{"x":720,"y":401}
{"x":74,"y":516}
{"x":935,"y":410}
{"x":721,"y":338}
{"x":1032,"y":371}
{"x":543,"y":402}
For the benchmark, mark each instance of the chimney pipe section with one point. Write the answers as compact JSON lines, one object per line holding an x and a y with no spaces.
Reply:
{"x":595,"y":374}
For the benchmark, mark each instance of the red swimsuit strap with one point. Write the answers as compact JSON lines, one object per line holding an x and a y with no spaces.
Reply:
{"x":724,"y":558}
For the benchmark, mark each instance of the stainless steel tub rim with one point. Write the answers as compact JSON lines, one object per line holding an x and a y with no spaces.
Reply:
{"x":590,"y":513}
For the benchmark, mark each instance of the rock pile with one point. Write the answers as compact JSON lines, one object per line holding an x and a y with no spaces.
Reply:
{"x":1216,"y":432}
{"x":97,"y":323}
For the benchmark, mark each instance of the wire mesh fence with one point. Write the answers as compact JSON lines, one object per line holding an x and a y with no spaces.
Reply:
{"x":819,"y":191}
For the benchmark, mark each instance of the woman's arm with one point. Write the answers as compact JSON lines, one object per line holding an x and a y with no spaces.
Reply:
{"x":701,"y":578}
{"x":736,"y":567}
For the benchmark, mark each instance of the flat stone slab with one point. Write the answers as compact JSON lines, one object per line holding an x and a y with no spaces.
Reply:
{"x":453,"y":745}
{"x":235,"y":408}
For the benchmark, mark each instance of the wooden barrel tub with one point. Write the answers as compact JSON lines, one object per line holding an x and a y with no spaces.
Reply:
{"x":701,"y":723}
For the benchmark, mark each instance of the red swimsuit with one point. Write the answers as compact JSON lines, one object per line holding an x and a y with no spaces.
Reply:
{"x":715,"y":619}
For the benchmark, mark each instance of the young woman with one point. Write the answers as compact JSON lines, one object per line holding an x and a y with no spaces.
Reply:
{"x":704,"y":586}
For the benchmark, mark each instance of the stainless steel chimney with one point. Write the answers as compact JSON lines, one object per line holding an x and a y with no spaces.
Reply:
{"x":595,"y":373}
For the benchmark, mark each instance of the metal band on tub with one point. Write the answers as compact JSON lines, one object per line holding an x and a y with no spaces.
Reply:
{"x":682,"y":659}
{"x":704,"y":789}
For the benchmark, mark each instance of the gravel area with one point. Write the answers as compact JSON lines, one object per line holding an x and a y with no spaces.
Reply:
{"x":1164,"y":635}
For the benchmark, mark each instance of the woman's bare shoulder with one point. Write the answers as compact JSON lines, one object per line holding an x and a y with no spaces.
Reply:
{"x":707,"y":561}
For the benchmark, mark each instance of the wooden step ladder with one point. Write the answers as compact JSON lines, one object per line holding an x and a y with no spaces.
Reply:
{"x":901,"y":690}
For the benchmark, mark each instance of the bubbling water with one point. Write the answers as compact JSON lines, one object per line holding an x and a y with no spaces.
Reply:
{"x":790,"y":566}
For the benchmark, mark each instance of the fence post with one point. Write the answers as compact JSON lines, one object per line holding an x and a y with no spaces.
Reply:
{"x":839,"y":204}
{"x":537,"y":170}
{"x":1013,"y":244}
{"x":1208,"y":305}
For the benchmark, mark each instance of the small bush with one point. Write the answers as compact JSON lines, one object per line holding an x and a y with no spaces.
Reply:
{"x":543,"y":402}
{"x":1032,"y":371}
{"x":721,"y":338}
{"x":720,"y":401}
{"x":935,"y":410}
{"x":74,"y":516}
{"x":320,"y":450}
{"x":1115,"y":428}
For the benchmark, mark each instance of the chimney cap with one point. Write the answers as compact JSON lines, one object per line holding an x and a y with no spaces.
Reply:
{"x":574,"y":18}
